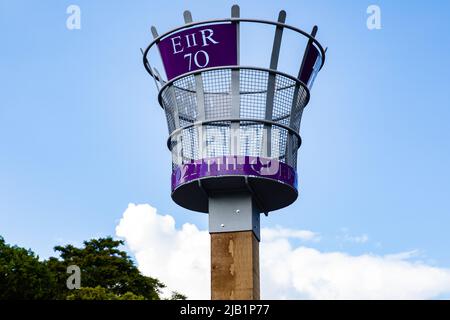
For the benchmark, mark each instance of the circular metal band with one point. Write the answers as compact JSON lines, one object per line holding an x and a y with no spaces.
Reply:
{"x":186,"y":26}
{"x":262,"y":121}
{"x":299,"y":82}
{"x":234,"y":166}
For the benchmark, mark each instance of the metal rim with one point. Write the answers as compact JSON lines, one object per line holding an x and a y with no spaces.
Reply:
{"x":248,"y":179}
{"x":262,"y":121}
{"x":298,"y":81}
{"x":192,"y":24}
{"x":238,"y":176}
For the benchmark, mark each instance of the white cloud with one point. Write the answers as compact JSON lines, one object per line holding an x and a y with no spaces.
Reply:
{"x":309,"y":273}
{"x":270,"y":234}
{"x":180,"y":258}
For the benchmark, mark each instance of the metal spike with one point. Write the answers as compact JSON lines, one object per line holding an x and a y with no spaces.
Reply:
{"x":282,"y":16}
{"x":187,"y":15}
{"x":154,"y":32}
{"x":156,"y":72}
{"x":235,"y":11}
{"x":314,"y":31}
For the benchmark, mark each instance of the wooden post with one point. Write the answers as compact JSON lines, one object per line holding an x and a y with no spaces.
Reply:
{"x":234,"y":266}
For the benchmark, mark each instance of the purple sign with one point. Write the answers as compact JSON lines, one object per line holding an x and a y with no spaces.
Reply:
{"x":192,"y":49}
{"x":234,"y":165}
{"x":311,"y":66}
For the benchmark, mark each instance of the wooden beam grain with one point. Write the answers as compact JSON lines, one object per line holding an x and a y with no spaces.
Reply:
{"x":234,"y":266}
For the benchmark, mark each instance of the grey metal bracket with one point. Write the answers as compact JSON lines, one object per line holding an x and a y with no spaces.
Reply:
{"x":231,"y":212}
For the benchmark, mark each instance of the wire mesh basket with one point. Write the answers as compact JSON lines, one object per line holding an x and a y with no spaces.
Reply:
{"x":235,"y":127}
{"x":195,"y":136}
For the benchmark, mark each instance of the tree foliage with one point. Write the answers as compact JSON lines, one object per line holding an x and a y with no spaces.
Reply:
{"x":100,"y":293}
{"x":22,"y":275}
{"x":107,"y":273}
{"x":177,"y":296}
{"x":103,"y":264}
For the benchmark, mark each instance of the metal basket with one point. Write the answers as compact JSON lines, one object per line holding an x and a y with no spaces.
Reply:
{"x":237,"y":114}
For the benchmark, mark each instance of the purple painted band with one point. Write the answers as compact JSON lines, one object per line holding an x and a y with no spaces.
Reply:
{"x":234,"y":166}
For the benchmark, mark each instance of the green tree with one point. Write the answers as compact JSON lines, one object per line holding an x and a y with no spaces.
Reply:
{"x":103,"y":265}
{"x":99,"y":293}
{"x":177,"y":296}
{"x":22,"y":275}
{"x":107,"y":273}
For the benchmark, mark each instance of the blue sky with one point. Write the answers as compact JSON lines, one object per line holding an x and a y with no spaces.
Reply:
{"x":82,"y":135}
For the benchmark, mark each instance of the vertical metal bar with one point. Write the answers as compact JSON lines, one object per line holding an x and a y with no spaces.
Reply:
{"x":267,"y":132}
{"x":172,"y":88}
{"x":236,"y":13}
{"x":308,"y":46}
{"x":235,"y":94}
{"x":200,"y":97}
{"x":289,"y":150}
{"x":154,"y":71}
{"x":277,"y":41}
{"x":154,"y":32}
{"x":159,"y":80}
{"x":147,"y":63}
{"x":200,"y":100}
{"x":175,"y":106}
{"x":158,"y":75}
